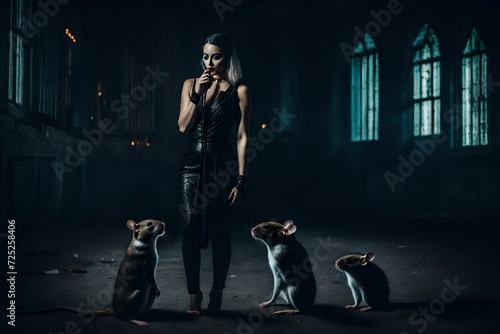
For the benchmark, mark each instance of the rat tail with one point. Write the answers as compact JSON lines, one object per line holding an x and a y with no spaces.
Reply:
{"x":100,"y":313}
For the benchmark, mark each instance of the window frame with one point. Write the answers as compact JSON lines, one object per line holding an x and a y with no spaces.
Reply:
{"x":428,"y":39}
{"x":365,"y":54}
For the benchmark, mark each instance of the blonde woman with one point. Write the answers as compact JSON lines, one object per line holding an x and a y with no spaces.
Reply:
{"x":213,"y":175}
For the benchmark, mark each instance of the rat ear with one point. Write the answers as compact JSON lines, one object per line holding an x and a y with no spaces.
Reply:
{"x":370,"y":256}
{"x":131,"y":225}
{"x":367,"y":258}
{"x":289,"y":228}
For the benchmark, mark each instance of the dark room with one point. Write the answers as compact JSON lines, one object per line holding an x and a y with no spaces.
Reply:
{"x":249,"y":166}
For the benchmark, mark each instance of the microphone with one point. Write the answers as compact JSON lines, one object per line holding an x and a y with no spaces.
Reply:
{"x":211,"y":79}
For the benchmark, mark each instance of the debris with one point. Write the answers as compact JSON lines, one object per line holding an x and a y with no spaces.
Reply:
{"x":52,"y":272}
{"x":414,"y":273}
{"x":233,"y":276}
{"x":416,"y":264}
{"x":110,"y":260}
{"x":402,"y":246}
{"x":76,"y":271}
{"x":75,"y":256}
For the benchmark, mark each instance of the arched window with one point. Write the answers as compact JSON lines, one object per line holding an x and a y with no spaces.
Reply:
{"x":18,"y":51}
{"x":474,"y":92}
{"x":364,"y":91}
{"x":426,"y":84}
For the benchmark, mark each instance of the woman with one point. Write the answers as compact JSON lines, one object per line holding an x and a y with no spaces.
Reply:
{"x":213,"y":177}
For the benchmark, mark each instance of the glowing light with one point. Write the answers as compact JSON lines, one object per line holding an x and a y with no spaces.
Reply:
{"x":264,"y":125}
{"x":70,"y":35}
{"x":99,"y":93}
{"x":136,"y":142}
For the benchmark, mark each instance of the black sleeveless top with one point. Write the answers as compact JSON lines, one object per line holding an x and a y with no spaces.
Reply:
{"x":210,"y":133}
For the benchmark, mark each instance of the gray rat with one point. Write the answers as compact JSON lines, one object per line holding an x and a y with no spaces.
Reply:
{"x":290,"y":264}
{"x":367,"y":281}
{"x":135,"y":287}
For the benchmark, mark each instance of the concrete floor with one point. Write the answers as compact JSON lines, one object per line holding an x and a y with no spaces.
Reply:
{"x":420,"y":259}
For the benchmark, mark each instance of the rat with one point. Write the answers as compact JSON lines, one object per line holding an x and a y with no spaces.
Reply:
{"x":367,"y":281}
{"x":294,"y":279}
{"x":135,"y":288}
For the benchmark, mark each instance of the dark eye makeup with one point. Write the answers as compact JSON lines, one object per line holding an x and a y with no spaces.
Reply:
{"x":215,"y":56}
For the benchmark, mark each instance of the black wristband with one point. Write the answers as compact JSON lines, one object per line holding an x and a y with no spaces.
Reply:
{"x":195,"y":97}
{"x":241,"y":183}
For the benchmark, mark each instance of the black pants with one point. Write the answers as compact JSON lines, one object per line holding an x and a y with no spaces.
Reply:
{"x":220,"y":238}
{"x":218,"y":217}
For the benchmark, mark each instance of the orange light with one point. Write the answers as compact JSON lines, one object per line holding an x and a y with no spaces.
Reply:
{"x":99,"y":93}
{"x":264,"y":125}
{"x":70,"y":35}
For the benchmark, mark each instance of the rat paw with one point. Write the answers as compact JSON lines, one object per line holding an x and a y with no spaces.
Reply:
{"x":139,"y":323}
{"x":193,"y":313}
{"x":265,"y":304}
{"x":350,"y":307}
{"x":365,"y":309}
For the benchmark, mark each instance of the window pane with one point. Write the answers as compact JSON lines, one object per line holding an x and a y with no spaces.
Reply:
{"x":416,"y":119}
{"x":355,"y":99}
{"x":466,"y":103}
{"x":12,"y":68}
{"x":19,"y":71}
{"x":437,"y":116}
{"x":416,"y":82}
{"x":426,"y":118}
{"x":436,"y":79}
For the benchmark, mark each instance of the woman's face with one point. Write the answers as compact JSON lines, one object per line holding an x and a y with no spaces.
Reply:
{"x":213,"y":57}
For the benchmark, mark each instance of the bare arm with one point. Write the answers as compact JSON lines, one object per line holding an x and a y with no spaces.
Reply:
{"x":242,"y":139}
{"x":187,"y":113}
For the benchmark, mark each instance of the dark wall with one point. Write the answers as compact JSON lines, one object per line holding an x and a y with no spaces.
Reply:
{"x":292,"y":60}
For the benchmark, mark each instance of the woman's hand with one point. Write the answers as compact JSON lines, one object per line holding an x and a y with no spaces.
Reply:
{"x":234,"y":195}
{"x":205,"y":80}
